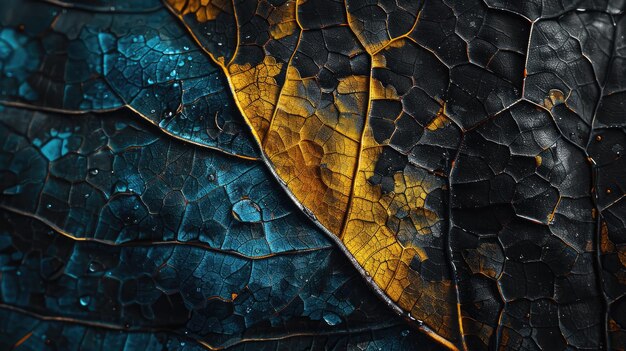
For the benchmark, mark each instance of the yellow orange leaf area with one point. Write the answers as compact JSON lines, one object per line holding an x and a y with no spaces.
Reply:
{"x":439,"y":122}
{"x":319,"y":142}
{"x":205,"y":10}
{"x":256,"y":91}
{"x":378,"y":247}
{"x":313,"y":145}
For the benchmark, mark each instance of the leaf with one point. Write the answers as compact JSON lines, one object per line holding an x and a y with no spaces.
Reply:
{"x":118,"y":234}
{"x":75,"y":61}
{"x":449,"y":147}
{"x":467,"y":156}
{"x":112,"y":226}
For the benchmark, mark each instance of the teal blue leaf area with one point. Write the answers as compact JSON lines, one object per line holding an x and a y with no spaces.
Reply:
{"x":114,"y":233}
{"x":134,"y":211}
{"x":74,"y":60}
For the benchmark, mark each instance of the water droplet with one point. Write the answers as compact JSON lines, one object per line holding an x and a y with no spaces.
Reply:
{"x":331,"y":318}
{"x":84,"y":300}
{"x":49,"y":206}
{"x":181,"y":63}
{"x":173,"y":73}
{"x":404,"y":332}
{"x":120,"y":187}
{"x":168,"y":114}
{"x":94,"y":267}
{"x":248,"y":309}
{"x":247,"y":210}
{"x":93,"y":171}
{"x":182,"y":343}
{"x":150,"y":81}
{"x":186,"y":47}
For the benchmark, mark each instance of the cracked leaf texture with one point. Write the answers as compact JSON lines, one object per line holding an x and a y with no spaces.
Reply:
{"x":466,"y":156}
{"x":452,"y":148}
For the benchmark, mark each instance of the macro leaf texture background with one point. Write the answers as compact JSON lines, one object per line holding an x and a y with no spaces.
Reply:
{"x":312,"y":175}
